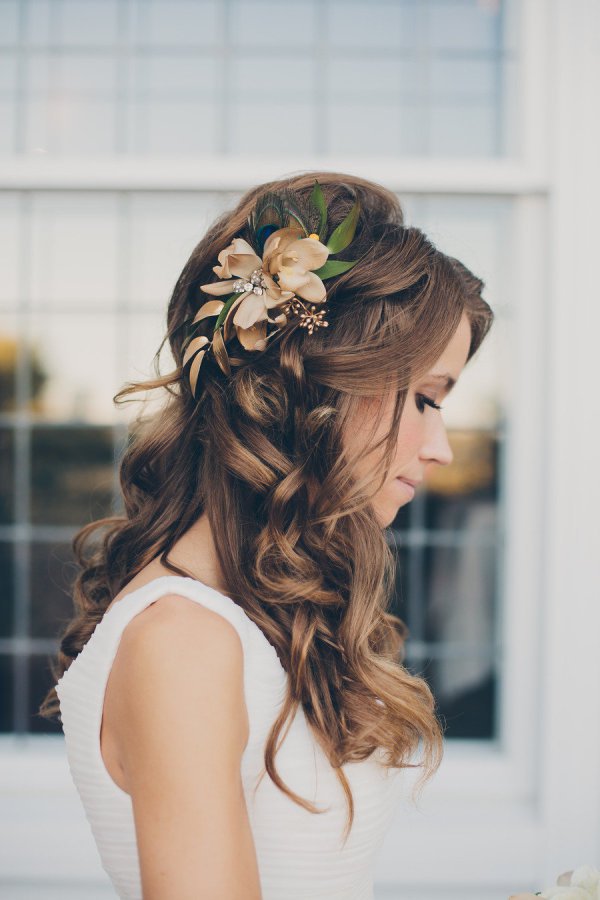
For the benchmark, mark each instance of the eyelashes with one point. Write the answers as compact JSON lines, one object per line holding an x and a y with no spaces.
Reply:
{"x":422,"y":400}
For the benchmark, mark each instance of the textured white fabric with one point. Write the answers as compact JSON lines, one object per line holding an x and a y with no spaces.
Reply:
{"x":299,"y":853}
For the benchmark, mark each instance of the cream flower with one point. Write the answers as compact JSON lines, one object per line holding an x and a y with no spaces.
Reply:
{"x":587,"y":877}
{"x":291,"y":257}
{"x":582,"y":883}
{"x":265,"y":284}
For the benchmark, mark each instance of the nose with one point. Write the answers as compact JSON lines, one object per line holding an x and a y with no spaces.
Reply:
{"x":436,"y":447}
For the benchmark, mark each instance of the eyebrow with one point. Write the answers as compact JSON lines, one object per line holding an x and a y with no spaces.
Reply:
{"x":446,"y":378}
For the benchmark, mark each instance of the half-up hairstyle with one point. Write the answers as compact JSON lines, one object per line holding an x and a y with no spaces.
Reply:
{"x":262,"y":453}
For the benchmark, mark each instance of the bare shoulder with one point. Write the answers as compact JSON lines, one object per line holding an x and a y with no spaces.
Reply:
{"x":184,"y":620}
{"x":181,"y":727}
{"x":174,"y":656}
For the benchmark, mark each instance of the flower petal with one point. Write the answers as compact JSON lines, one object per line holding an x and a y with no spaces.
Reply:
{"x":249,"y":312}
{"x":285,"y":297}
{"x":290,"y":278}
{"x":273,"y":291}
{"x":279,"y":239}
{"x":306,"y":253}
{"x":237,"y":259}
{"x":273,"y":295}
{"x":305,"y":284}
{"x":218,"y":288}
{"x":313,"y":289}
{"x":249,"y":336}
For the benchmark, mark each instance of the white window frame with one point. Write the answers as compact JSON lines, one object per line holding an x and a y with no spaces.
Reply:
{"x":496,"y":819}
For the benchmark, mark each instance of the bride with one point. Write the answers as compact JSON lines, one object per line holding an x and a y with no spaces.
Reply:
{"x":237,"y":716}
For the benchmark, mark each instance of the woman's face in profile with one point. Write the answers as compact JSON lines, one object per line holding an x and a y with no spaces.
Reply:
{"x":422,"y":439}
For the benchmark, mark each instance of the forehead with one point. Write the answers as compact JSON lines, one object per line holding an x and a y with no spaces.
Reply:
{"x":450,"y":364}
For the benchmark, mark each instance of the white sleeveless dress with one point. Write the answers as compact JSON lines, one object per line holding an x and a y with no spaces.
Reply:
{"x":299,"y":853}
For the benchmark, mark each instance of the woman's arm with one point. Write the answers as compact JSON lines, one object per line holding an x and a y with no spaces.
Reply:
{"x":181,"y":728}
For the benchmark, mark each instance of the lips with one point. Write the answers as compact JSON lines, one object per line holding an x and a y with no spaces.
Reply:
{"x":410,"y":481}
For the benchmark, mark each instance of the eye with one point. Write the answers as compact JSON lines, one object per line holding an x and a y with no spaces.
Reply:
{"x":422,"y":400}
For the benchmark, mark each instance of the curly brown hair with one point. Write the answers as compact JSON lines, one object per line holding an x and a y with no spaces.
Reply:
{"x":261,"y":452}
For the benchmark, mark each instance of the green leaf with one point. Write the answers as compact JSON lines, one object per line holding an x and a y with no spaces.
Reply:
{"x":318,"y":200}
{"x":228,"y":301}
{"x":344,"y":233}
{"x":334,"y":267}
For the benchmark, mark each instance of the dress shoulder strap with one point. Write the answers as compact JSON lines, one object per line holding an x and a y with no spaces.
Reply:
{"x":102,"y":645}
{"x":133,"y":603}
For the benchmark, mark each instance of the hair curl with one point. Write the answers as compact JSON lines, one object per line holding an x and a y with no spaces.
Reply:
{"x":262,"y":454}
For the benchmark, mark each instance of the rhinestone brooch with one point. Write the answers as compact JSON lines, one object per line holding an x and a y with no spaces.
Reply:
{"x":255,"y":283}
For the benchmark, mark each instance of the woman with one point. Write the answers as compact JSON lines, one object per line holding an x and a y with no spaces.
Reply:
{"x":238,"y":720}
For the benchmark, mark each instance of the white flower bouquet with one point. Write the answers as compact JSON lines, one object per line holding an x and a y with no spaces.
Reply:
{"x":582,"y":883}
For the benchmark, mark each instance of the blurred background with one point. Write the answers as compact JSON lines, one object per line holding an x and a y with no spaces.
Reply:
{"x":126,"y":126}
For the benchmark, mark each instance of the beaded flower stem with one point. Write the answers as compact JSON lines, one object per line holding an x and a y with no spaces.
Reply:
{"x":309,"y":319}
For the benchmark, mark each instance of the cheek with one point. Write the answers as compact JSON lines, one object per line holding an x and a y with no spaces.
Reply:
{"x":410,"y":432}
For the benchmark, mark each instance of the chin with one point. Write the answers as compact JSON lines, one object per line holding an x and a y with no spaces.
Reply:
{"x":385,"y":516}
{"x":388,"y":504}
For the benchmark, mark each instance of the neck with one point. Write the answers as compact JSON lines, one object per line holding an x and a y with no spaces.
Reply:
{"x":195,"y":554}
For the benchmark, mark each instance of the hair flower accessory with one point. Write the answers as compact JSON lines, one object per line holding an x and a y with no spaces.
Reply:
{"x":258,"y":291}
{"x":582,"y":883}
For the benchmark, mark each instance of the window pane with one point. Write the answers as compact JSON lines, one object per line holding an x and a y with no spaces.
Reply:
{"x":9,"y":361}
{"x":40,"y":681}
{"x":9,"y":21}
{"x":177,"y":23}
{"x":7,"y":588}
{"x":77,"y":356}
{"x":74,"y":251}
{"x":456,"y":25}
{"x":94,"y":22}
{"x":77,"y":74}
{"x":451,"y":534}
{"x":9,"y":231}
{"x":459,"y":585}
{"x":377,"y":25}
{"x":191,"y":67}
{"x":268,"y":24}
{"x":6,"y":693}
{"x":471,"y":480}
{"x":165,"y":228}
{"x":52,"y":572}
{"x":7,"y":476}
{"x":173,"y":104}
{"x":400,"y":605}
{"x":174,"y":127}
{"x":71,"y":474}
{"x":465,"y":689}
{"x":67,"y":125}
